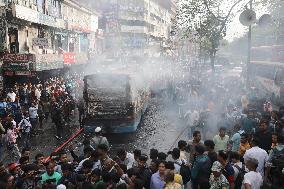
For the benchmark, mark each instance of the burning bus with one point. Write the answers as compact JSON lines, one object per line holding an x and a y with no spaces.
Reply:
{"x":115,"y":102}
{"x":267,"y":68}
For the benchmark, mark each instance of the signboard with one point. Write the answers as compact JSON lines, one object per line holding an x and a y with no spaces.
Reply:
{"x":18,"y":58}
{"x":48,"y":62}
{"x":40,"y":42}
{"x":22,"y":73}
{"x":16,"y":66}
{"x":9,"y":73}
{"x":69,"y":58}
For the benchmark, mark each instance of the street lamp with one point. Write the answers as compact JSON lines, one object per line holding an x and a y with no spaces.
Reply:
{"x":248,"y":18}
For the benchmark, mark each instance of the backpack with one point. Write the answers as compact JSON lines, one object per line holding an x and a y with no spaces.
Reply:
{"x":185,"y":172}
{"x":240,"y":177}
{"x":278,"y":160}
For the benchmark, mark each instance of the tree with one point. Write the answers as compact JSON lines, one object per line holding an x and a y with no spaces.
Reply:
{"x":206,"y":22}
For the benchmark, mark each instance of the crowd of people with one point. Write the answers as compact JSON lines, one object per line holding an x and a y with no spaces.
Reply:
{"x":25,"y":110}
{"x":246,"y":151}
{"x":245,"y":160}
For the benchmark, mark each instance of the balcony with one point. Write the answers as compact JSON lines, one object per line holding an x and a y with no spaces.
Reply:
{"x":30,"y":14}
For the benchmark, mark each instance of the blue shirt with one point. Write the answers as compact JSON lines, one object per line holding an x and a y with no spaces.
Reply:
{"x":3,"y":105}
{"x":236,"y":139}
{"x":157,"y":182}
{"x":248,"y":124}
{"x":201,"y":166}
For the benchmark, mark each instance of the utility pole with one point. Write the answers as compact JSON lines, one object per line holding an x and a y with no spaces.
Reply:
{"x":249,"y":49}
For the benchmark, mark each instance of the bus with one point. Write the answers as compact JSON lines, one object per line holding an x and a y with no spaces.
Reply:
{"x":267,"y":70}
{"x":114,"y":101}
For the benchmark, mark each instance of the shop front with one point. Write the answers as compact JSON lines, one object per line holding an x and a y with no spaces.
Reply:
{"x":18,"y":68}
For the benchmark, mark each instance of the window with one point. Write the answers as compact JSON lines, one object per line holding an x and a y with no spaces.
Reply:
{"x":13,"y":40}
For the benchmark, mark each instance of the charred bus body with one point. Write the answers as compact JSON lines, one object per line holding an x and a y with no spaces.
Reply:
{"x":115,"y":102}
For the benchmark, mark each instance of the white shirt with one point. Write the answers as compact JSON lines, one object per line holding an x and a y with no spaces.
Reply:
{"x":254,"y":179}
{"x":12,"y":96}
{"x":259,"y":154}
{"x":25,"y":125}
{"x":14,"y":124}
{"x":178,"y":164}
{"x":96,"y":165}
{"x":129,"y":160}
{"x":37,"y":94}
{"x":33,"y":112}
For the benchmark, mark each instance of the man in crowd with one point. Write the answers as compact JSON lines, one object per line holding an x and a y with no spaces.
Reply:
{"x":99,"y":138}
{"x":221,"y":140}
{"x":192,"y":143}
{"x":217,"y":179}
{"x":265,"y":135}
{"x":257,"y":153}
{"x":227,"y":168}
{"x":252,"y":179}
{"x":26,"y":128}
{"x":235,"y":141}
{"x":33,"y":117}
{"x":200,"y":171}
{"x":210,"y":152}
{"x":244,"y":146}
{"x":126,"y":158}
{"x":143,"y":172}
{"x":275,"y":165}
{"x":12,"y":145}
{"x":50,"y":176}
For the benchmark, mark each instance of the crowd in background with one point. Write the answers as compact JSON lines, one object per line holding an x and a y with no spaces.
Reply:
{"x":26,"y":108}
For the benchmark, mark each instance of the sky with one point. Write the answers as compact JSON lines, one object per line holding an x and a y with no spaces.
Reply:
{"x":236,"y":29}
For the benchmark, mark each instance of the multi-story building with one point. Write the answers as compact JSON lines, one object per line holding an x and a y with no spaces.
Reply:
{"x":44,"y":35}
{"x":135,"y":27}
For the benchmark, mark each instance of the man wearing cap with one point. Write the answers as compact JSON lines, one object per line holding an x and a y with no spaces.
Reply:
{"x":217,"y":179}
{"x":98,"y":138}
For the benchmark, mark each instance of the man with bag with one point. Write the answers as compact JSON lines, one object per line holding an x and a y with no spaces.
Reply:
{"x":26,"y":126}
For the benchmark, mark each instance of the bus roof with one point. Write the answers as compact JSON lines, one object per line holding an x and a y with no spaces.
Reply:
{"x":268,"y":63}
{"x":272,"y":47}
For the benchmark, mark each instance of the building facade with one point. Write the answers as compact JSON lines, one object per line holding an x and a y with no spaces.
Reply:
{"x":44,"y":35}
{"x":135,"y":27}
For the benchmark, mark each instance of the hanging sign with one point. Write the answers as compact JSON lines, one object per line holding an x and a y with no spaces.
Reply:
{"x":40,"y":42}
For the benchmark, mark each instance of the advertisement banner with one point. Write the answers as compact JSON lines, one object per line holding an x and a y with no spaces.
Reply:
{"x":48,"y":62}
{"x":69,"y":58}
{"x":18,"y":58}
